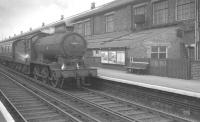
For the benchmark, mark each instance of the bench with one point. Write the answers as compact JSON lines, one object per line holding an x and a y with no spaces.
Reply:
{"x":138,"y":65}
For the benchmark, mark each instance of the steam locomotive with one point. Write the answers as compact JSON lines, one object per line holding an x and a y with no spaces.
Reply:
{"x":50,"y":58}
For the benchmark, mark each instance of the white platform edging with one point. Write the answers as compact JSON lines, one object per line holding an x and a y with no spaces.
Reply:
{"x":5,"y":113}
{"x":162,"y":88}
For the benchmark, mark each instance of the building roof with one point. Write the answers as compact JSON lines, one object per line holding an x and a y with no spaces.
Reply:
{"x":96,"y":41}
{"x":67,"y":21}
{"x":162,"y":36}
{"x":105,"y":7}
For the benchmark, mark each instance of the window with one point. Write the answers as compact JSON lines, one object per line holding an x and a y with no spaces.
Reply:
{"x":80,"y":28}
{"x":121,"y":57}
{"x":185,"y":9}
{"x":141,"y":10}
{"x":2,"y":49}
{"x":8,"y":48}
{"x":109,"y":23}
{"x":113,"y":57}
{"x":96,"y":53}
{"x":139,"y":15}
{"x":160,"y":12}
{"x":87,"y":28}
{"x":158,"y":52}
{"x":104,"y":56}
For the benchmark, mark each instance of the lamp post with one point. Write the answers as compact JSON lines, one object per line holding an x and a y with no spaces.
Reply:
{"x":196,"y":51}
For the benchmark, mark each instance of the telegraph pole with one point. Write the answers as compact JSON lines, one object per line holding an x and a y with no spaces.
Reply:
{"x":196,"y":51}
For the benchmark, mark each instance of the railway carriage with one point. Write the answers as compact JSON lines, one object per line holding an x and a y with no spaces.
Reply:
{"x":51,"y":58}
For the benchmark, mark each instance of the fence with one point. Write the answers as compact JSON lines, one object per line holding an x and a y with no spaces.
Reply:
{"x":195,"y":70}
{"x":175,"y":68}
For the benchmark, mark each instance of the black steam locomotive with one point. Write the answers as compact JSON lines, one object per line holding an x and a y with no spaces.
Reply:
{"x":51,"y":58}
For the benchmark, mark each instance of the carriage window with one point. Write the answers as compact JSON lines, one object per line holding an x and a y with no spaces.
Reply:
{"x":8,"y":49}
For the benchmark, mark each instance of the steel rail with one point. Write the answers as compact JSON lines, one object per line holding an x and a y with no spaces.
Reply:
{"x":42,"y":99}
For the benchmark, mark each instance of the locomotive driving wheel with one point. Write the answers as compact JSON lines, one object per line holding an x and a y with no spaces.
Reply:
{"x":54,"y":80}
{"x":45,"y":75}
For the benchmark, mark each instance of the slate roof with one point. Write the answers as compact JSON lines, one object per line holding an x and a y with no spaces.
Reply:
{"x":134,"y":39}
{"x":97,"y":41}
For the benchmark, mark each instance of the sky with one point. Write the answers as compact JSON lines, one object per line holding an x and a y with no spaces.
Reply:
{"x":20,"y":15}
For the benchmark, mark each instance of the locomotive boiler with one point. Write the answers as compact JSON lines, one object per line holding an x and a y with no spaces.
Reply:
{"x":68,"y":45}
{"x":53,"y":59}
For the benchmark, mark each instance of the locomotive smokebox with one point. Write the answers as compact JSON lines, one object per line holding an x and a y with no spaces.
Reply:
{"x":71,"y":45}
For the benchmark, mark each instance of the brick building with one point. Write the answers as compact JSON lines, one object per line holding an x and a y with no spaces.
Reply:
{"x":122,"y":30}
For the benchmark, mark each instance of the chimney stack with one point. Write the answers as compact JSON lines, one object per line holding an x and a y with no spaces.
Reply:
{"x":43,"y":24}
{"x":30,"y":29}
{"x":92,"y":5}
{"x":21,"y":32}
{"x":62,"y":17}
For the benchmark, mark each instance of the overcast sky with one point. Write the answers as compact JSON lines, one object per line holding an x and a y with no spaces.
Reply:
{"x":20,"y":15}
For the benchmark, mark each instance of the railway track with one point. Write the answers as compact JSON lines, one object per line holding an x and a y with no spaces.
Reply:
{"x":168,"y":102}
{"x":111,"y":108}
{"x":31,"y":106}
{"x":73,"y":104}
{"x":126,"y":108}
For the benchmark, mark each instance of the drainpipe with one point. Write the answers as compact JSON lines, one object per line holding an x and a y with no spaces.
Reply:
{"x":196,"y":30}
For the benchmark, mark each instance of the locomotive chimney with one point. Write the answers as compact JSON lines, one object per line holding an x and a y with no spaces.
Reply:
{"x":92,"y":5}
{"x":62,"y":17}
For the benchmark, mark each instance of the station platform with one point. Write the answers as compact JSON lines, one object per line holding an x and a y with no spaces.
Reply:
{"x":2,"y":118}
{"x":4,"y":114}
{"x":179,"y":86}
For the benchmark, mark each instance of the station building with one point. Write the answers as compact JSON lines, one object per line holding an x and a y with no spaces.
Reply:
{"x":157,"y":35}
{"x":121,"y":32}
